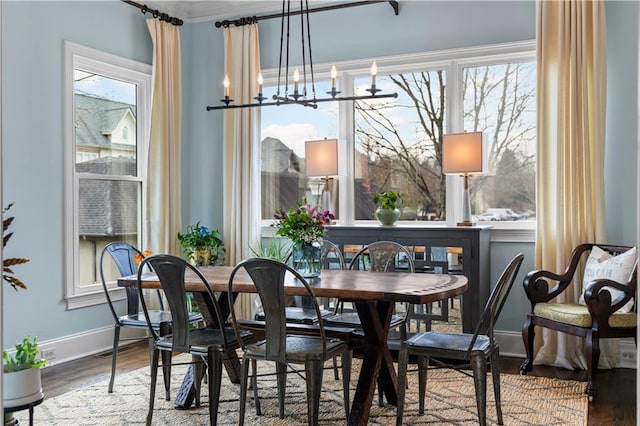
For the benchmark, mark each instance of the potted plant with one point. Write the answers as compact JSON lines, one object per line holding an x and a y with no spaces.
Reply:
{"x":388,"y":202}
{"x":202,"y":246}
{"x":21,"y":374}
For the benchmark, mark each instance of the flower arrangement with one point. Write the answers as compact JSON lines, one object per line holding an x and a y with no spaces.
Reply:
{"x":200,"y":237}
{"x":138,"y":258}
{"x":303,"y":224}
{"x":7,"y":271}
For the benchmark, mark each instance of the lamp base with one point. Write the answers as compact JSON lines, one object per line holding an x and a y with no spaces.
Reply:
{"x":465,"y":223}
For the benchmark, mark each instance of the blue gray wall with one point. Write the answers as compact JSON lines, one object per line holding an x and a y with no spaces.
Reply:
{"x":32,"y":36}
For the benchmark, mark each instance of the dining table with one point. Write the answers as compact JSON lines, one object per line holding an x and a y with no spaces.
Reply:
{"x":374,"y":295}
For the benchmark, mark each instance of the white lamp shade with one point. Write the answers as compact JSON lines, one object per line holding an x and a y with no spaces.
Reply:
{"x":464,"y":153}
{"x":321,"y":157}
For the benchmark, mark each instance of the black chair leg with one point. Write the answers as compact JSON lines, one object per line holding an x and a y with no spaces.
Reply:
{"x":592,"y":346}
{"x":423,"y":366}
{"x":254,"y":385}
{"x":479,"y":367}
{"x":346,"y":378}
{"x":281,"y":372}
{"x":243,"y":389}
{"x":214,"y":368}
{"x":165,"y":329}
{"x":314,"y":371}
{"x":114,"y":356}
{"x":403,"y":359}
{"x":495,"y":375}
{"x":528,"y":334}
{"x":154,"y":375}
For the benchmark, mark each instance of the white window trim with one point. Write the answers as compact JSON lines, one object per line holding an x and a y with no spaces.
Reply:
{"x":452,"y":61}
{"x":103,"y":63}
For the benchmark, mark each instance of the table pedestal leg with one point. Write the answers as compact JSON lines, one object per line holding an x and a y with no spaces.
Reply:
{"x":377,"y":363}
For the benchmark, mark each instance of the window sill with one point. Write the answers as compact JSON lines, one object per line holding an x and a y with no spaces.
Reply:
{"x":85,"y":300}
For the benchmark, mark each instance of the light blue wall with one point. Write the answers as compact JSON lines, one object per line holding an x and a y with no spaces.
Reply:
{"x":32,"y":145}
{"x":32,"y":35}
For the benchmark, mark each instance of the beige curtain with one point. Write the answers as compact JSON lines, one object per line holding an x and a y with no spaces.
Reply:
{"x":163,"y":187}
{"x":241,"y":148}
{"x":571,"y":54}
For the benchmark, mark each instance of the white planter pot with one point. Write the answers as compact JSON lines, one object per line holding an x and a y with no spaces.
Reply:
{"x":21,"y":387}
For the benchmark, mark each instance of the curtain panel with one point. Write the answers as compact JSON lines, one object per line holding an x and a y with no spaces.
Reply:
{"x":163,"y":172}
{"x":572,"y":76}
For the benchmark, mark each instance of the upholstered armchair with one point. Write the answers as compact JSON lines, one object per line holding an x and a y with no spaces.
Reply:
{"x":609,"y":309}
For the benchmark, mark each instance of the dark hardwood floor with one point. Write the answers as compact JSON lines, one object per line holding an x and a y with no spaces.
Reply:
{"x":614,"y":405}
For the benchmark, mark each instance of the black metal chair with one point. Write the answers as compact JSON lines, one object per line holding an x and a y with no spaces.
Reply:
{"x":476,"y":350}
{"x":124,"y":257}
{"x":207,"y":345}
{"x":379,"y":256}
{"x":282,"y":347}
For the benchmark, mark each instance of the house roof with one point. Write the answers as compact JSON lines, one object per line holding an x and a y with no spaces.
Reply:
{"x":97,"y":118}
{"x":108,"y":207}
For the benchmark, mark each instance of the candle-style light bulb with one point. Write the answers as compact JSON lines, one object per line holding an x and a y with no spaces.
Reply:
{"x":334,"y":75}
{"x":374,"y":71}
{"x":260,"y":81}
{"x":296,"y":78}
{"x":226,"y":85}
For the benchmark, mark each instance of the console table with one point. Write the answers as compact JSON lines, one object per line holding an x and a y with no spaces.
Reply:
{"x":472,"y":242}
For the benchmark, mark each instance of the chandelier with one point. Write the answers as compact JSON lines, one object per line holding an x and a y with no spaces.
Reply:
{"x":299,"y":95}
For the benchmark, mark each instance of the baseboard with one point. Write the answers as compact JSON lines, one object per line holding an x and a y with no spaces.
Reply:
{"x":511,"y":345}
{"x":91,"y":342}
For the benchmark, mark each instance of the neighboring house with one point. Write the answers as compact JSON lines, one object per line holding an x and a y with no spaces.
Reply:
{"x":105,"y":145}
{"x":284,"y":172}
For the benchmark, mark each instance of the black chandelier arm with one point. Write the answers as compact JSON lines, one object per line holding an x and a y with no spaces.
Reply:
{"x":312,"y":103}
{"x":156,"y":13}
{"x":254,"y":19}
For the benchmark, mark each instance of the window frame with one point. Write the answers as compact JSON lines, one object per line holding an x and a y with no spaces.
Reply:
{"x":116,"y":67}
{"x":452,"y":61}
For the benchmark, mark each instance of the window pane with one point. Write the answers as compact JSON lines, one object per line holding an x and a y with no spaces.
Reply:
{"x":500,"y":100}
{"x":109,"y":210}
{"x":285,"y":129}
{"x":397,"y":144}
{"x":105,"y":123}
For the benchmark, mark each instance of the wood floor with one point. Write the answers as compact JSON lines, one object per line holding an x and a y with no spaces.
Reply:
{"x":615,"y":404}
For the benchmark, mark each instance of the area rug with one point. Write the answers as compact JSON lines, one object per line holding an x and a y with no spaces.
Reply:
{"x":526,"y":400}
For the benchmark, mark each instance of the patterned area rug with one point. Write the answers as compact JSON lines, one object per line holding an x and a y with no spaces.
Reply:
{"x":526,"y":400}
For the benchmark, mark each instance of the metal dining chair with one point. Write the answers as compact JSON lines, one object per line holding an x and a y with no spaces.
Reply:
{"x":123,"y":256}
{"x":282,"y":347}
{"x":476,"y":350}
{"x":208,"y":345}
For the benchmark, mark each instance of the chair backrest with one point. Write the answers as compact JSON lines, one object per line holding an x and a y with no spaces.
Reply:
{"x":383,"y":256}
{"x":124,"y":257}
{"x":496,"y":300}
{"x":331,"y":257}
{"x":268,"y":276}
{"x":171,"y":274}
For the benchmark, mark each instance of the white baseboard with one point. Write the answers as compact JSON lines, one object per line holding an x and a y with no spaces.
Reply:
{"x":91,"y":342}
{"x":511,"y":345}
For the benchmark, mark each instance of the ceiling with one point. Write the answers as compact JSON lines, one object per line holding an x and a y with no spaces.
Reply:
{"x":198,"y":11}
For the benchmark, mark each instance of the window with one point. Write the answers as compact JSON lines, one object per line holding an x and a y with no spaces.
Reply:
{"x":106,"y":108}
{"x":395,"y":144}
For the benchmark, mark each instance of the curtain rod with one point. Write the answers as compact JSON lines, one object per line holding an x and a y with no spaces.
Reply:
{"x":254,"y":19}
{"x":156,"y":13}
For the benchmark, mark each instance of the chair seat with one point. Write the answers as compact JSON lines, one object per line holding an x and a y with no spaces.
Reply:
{"x":454,"y":345}
{"x":351,"y":319}
{"x":578,"y":315}
{"x":300,"y":349}
{"x":156,"y":317}
{"x":299,"y":315}
{"x":202,"y":338}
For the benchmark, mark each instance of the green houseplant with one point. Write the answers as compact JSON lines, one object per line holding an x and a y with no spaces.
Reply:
{"x":202,"y":245}
{"x":388,"y":211}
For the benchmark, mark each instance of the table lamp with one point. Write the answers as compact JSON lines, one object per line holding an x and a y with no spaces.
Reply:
{"x":321,"y":158}
{"x":465,"y":154}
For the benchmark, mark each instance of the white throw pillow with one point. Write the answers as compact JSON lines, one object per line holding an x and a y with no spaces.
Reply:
{"x":602,"y":264}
